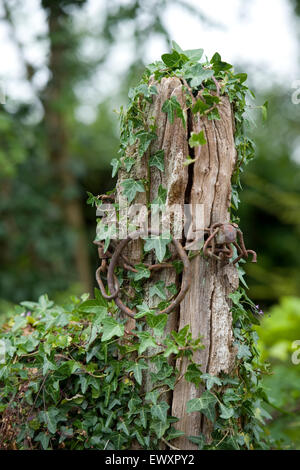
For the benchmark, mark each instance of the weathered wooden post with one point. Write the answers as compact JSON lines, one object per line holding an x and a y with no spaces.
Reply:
{"x":180,"y":148}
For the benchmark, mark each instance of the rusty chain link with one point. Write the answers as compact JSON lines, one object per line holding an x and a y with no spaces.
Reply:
{"x":218,"y":245}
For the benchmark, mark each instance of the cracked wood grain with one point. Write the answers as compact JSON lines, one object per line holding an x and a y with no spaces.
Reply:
{"x":206,"y":307}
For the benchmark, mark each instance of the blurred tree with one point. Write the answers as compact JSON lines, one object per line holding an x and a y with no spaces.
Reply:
{"x":44,"y":223}
{"x":278,"y":333}
{"x":271,"y":200}
{"x":59,"y":101}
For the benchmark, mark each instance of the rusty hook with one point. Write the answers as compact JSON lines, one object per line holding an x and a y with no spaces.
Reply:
{"x":186,"y":278}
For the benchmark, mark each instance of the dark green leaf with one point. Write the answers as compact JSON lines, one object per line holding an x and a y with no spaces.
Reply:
{"x":160,"y":411}
{"x":142,"y":272}
{"x":111,"y":328}
{"x":171,"y":60}
{"x":211,"y":380}
{"x":226,"y":412}
{"x":197,"y":139}
{"x":137,"y":369}
{"x":145,"y":139}
{"x":158,"y":244}
{"x":205,"y":404}
{"x":157,"y":160}
{"x":116,"y":165}
{"x":157,"y":322}
{"x":131,"y":187}
{"x":158,"y":289}
{"x":172,"y":107}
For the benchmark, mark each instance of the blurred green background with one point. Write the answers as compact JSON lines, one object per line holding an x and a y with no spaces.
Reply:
{"x":66,"y":66}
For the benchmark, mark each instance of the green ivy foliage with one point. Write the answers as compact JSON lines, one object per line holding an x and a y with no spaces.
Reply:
{"x":73,"y":376}
{"x":69,"y":379}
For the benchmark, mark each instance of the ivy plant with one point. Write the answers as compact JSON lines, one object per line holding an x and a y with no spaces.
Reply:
{"x":73,"y":375}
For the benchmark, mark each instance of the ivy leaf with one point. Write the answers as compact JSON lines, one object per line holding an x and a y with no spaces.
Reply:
{"x":171,"y":60}
{"x":66,"y":369}
{"x":111,"y":328}
{"x":172,"y":107}
{"x":116,"y":165}
{"x":158,"y":289}
{"x":19,"y":322}
{"x":48,"y":366}
{"x":199,"y":440}
{"x":143,"y":417}
{"x":159,"y":428}
{"x":146,"y":341}
{"x":143,"y":310}
{"x":197,"y":139}
{"x":145,"y":139}
{"x":176,"y":47}
{"x":137,"y":369}
{"x":99,"y":299}
{"x":129,"y":162}
{"x":242,"y":77}
{"x":191,"y":54}
{"x":243,"y":351}
{"x":131,"y":187}
{"x":226,"y":412}
{"x":172,"y":288}
{"x":264,"y":110}
{"x":142,"y":89}
{"x":218,"y":64}
{"x":178,"y":266}
{"x":159,"y":411}
{"x":209,"y":98}
{"x":152,"y":396}
{"x":205,"y":404}
{"x":51,"y":418}
{"x":200,"y":107}
{"x":193,"y":374}
{"x":197,"y":74}
{"x":122,"y":425}
{"x":236,"y":297}
{"x":157,"y":322}
{"x":157,"y":160}
{"x":173,"y":434}
{"x":181,"y":336}
{"x":93,"y":200}
{"x":159,"y":244}
{"x":106,"y":233}
{"x":211,"y":380}
{"x":171,"y":348}
{"x":159,"y":203}
{"x":92,"y":306}
{"x":44,"y":439}
{"x":142,"y":272}
{"x":214,"y":115}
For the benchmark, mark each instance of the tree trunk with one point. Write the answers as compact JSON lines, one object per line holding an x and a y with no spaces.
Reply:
{"x":57,"y":137}
{"x":206,"y":307}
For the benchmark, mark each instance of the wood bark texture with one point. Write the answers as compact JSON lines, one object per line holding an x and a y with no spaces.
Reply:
{"x":206,"y":307}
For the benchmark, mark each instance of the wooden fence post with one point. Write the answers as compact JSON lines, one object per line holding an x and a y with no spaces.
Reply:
{"x":207,"y":181}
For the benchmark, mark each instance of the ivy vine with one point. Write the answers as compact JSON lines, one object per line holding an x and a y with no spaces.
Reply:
{"x":73,"y":375}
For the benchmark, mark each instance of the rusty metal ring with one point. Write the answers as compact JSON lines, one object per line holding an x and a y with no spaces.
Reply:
{"x":211,"y":237}
{"x":101,"y":285}
{"x":186,"y":278}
